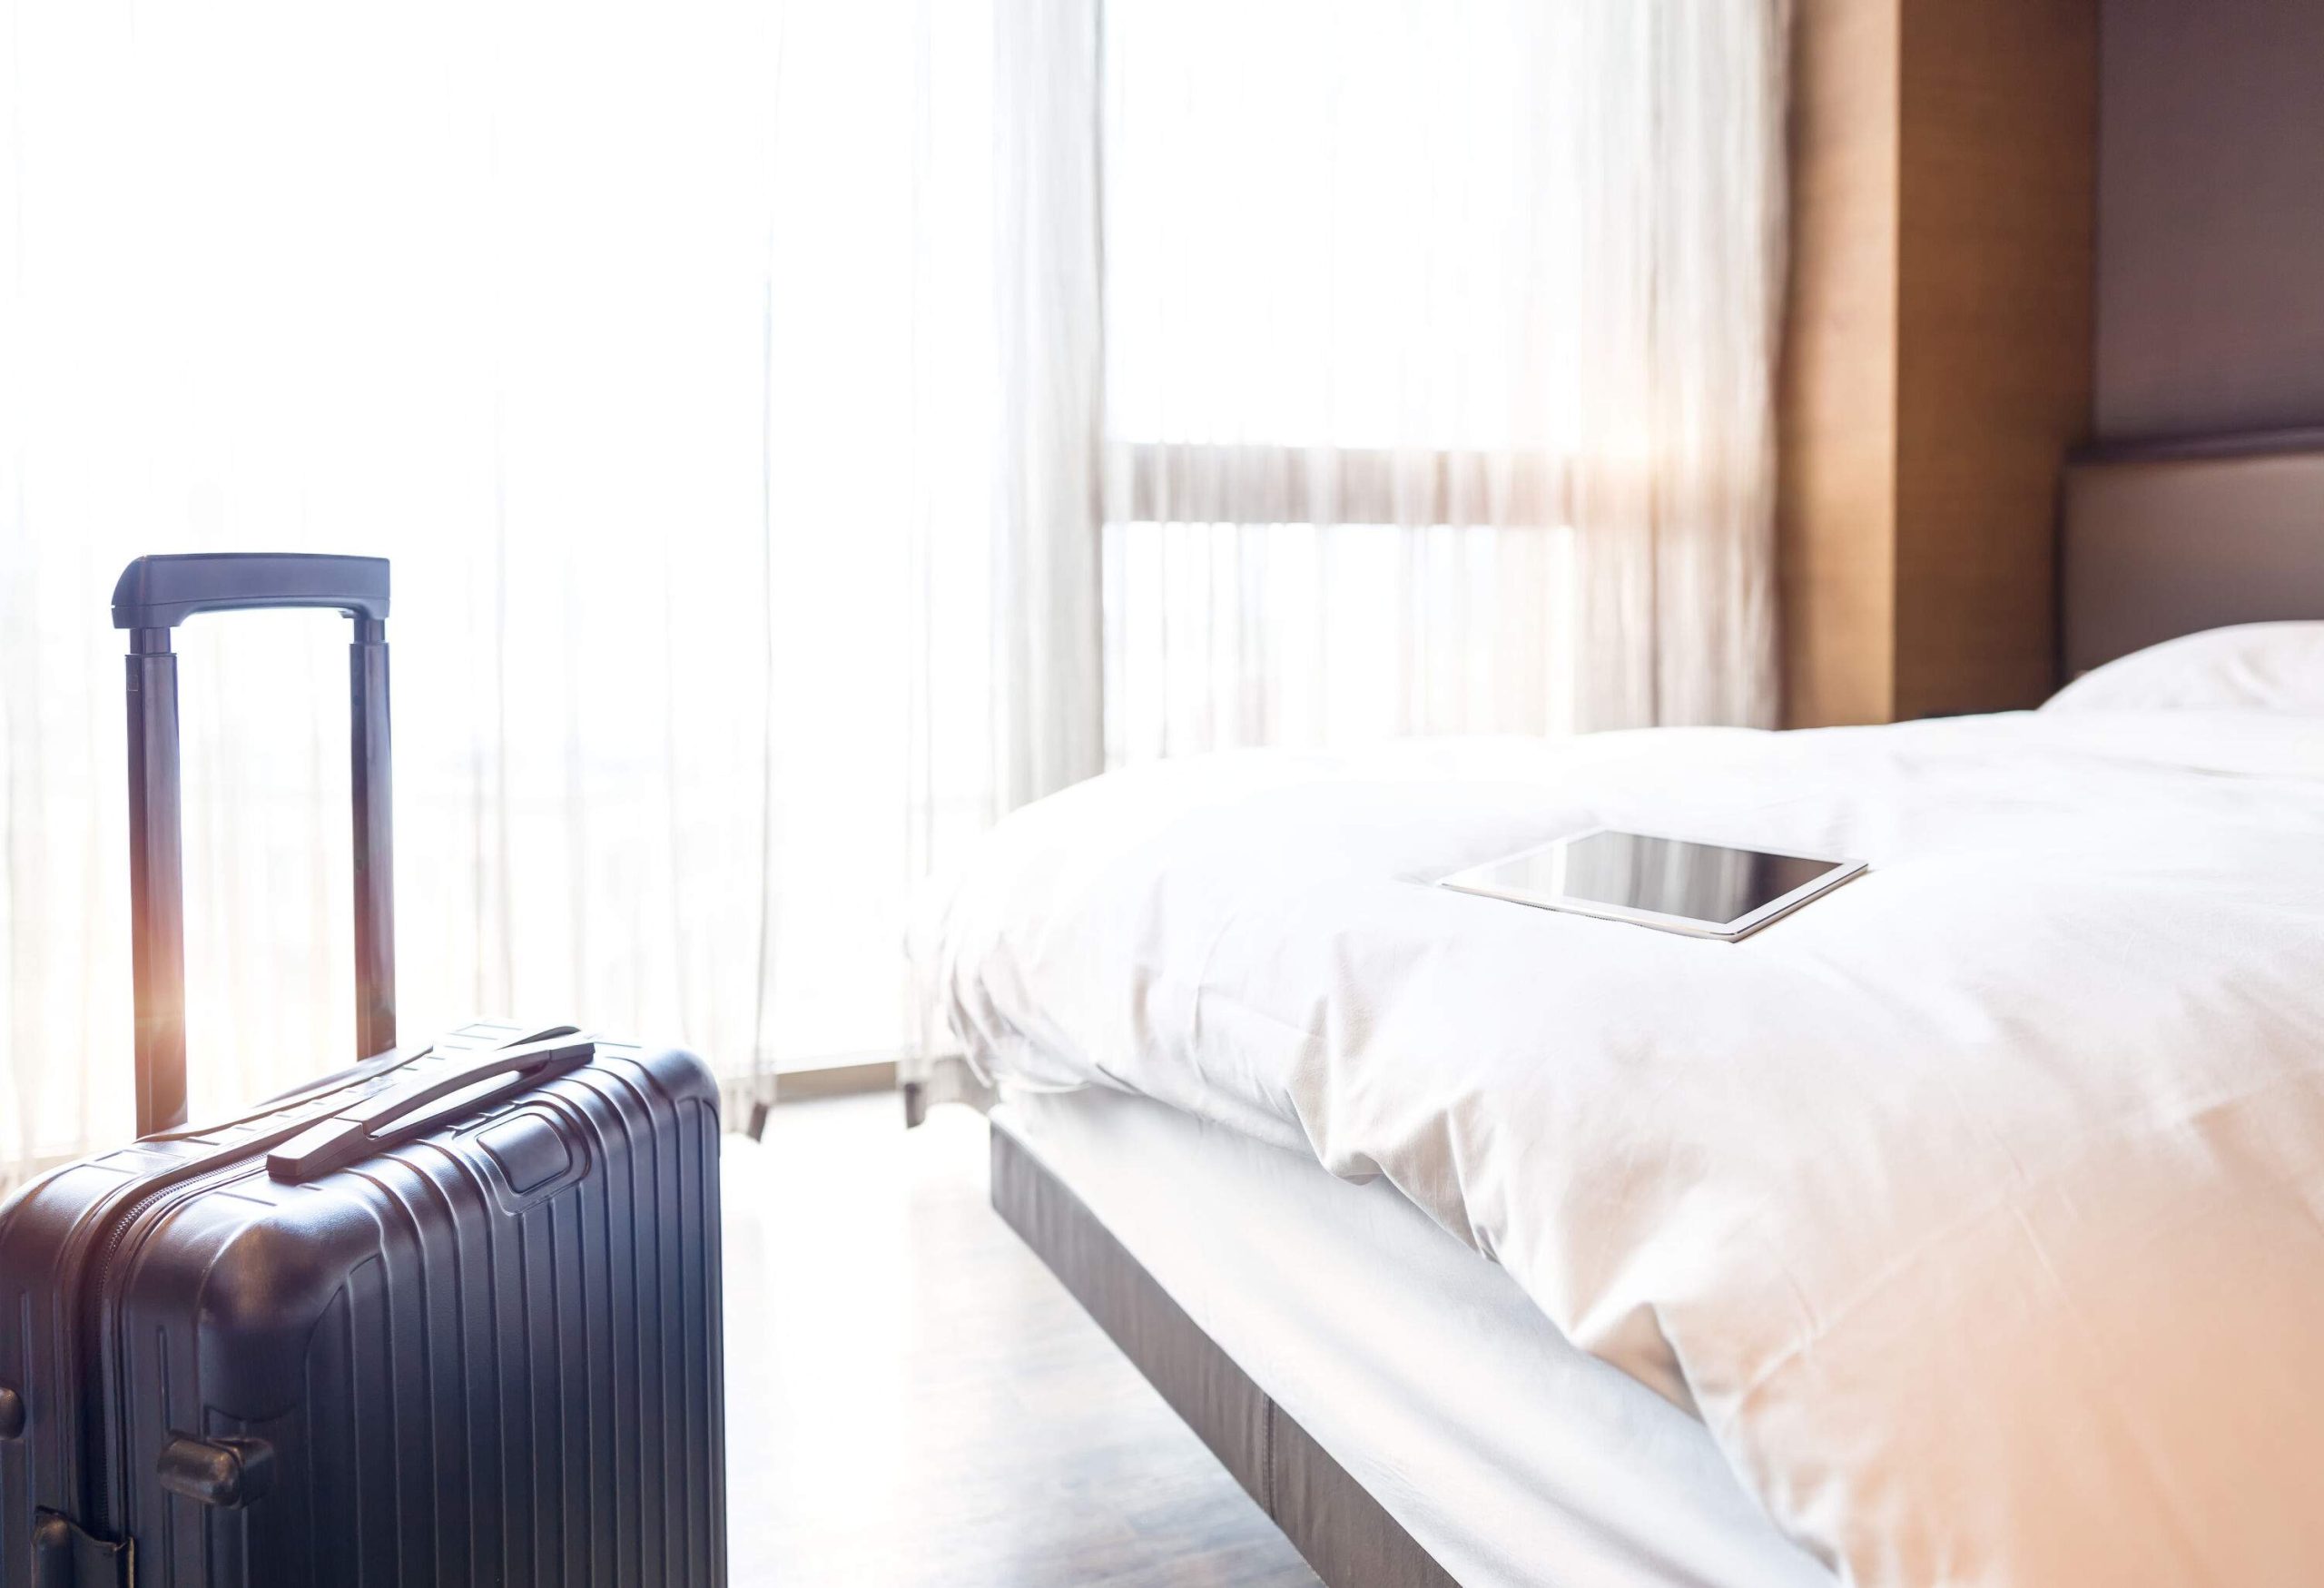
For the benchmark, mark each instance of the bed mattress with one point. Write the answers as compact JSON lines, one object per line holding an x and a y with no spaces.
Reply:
{"x":1974,"y":1209}
{"x":1507,"y":1454}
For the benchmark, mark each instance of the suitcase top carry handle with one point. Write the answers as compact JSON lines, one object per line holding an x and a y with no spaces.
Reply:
{"x":162,"y":592}
{"x":355,"y":1135}
{"x":154,"y":594}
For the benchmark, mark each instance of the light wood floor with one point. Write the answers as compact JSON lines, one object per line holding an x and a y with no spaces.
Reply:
{"x":913,"y":1401}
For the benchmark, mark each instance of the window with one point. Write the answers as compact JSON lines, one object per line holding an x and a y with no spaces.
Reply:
{"x":1328,"y":516}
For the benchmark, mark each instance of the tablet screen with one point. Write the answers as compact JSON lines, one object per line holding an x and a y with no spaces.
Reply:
{"x":1668,"y":876}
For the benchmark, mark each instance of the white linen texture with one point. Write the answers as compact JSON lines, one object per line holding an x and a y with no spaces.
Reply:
{"x":2253,"y":666}
{"x":1977,"y":1208}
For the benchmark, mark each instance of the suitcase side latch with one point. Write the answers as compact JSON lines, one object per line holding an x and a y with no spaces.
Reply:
{"x":63,"y":1556}
{"x":226,"y":1473}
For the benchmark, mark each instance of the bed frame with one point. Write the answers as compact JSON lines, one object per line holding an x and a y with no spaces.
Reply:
{"x":2156,"y":540}
{"x":2170,"y":537}
{"x":1349,"y":1540}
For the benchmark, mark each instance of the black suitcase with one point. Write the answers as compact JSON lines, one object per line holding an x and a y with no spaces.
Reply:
{"x":450,"y":1316}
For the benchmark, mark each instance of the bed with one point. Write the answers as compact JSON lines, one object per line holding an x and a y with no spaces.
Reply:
{"x":1967,"y":1226}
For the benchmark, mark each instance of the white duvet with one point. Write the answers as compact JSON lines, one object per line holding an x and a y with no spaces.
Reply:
{"x":1977,"y":1208}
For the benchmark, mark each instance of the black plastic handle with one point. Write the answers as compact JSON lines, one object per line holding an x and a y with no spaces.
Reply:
{"x":348,"y":1138}
{"x":162,"y":592}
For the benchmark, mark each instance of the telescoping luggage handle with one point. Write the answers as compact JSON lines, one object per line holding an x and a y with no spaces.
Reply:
{"x":155,"y":594}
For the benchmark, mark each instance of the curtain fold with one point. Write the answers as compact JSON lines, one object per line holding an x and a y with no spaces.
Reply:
{"x":1045,"y":272}
{"x":1049,"y":331}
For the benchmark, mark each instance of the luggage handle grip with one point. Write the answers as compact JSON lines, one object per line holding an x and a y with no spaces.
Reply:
{"x":344,"y":1138}
{"x":163,"y":591}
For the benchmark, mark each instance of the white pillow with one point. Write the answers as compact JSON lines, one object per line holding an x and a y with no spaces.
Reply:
{"x":2253,"y":666}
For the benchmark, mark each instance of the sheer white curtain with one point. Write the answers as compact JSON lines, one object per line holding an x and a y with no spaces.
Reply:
{"x":1410,"y":362}
{"x":789,"y":421}
{"x":651,"y":340}
{"x":1439,"y":342}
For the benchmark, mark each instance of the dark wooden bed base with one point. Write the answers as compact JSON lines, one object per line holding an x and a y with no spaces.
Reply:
{"x":2158,"y":539}
{"x":1341,"y":1530}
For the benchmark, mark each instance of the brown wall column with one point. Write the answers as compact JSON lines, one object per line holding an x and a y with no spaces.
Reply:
{"x":1938,"y":349}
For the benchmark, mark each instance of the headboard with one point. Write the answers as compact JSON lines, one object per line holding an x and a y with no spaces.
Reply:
{"x":2162,"y":540}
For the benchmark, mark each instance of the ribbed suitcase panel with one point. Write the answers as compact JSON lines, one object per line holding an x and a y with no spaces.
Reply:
{"x":40,"y":1230}
{"x":471,"y":1384}
{"x":33,"y":1466}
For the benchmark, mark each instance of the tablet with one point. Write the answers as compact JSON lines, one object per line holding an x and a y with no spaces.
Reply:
{"x":1705,"y":889}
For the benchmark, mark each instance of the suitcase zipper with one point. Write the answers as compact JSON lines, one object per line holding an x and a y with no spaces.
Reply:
{"x":96,"y":1325}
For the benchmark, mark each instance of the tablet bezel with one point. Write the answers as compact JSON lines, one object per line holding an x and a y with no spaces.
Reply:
{"x":1742,"y":926}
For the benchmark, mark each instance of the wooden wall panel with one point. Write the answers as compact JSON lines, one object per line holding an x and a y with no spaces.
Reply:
{"x":2210,"y":216}
{"x":1937,"y":350}
{"x":1997,"y":189}
{"x":1836,"y":396}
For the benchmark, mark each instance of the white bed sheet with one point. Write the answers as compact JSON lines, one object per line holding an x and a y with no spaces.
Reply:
{"x":1977,"y":1208}
{"x":1510,"y":1456}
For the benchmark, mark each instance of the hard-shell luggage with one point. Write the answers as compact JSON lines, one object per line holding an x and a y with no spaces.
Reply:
{"x":450,"y":1316}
